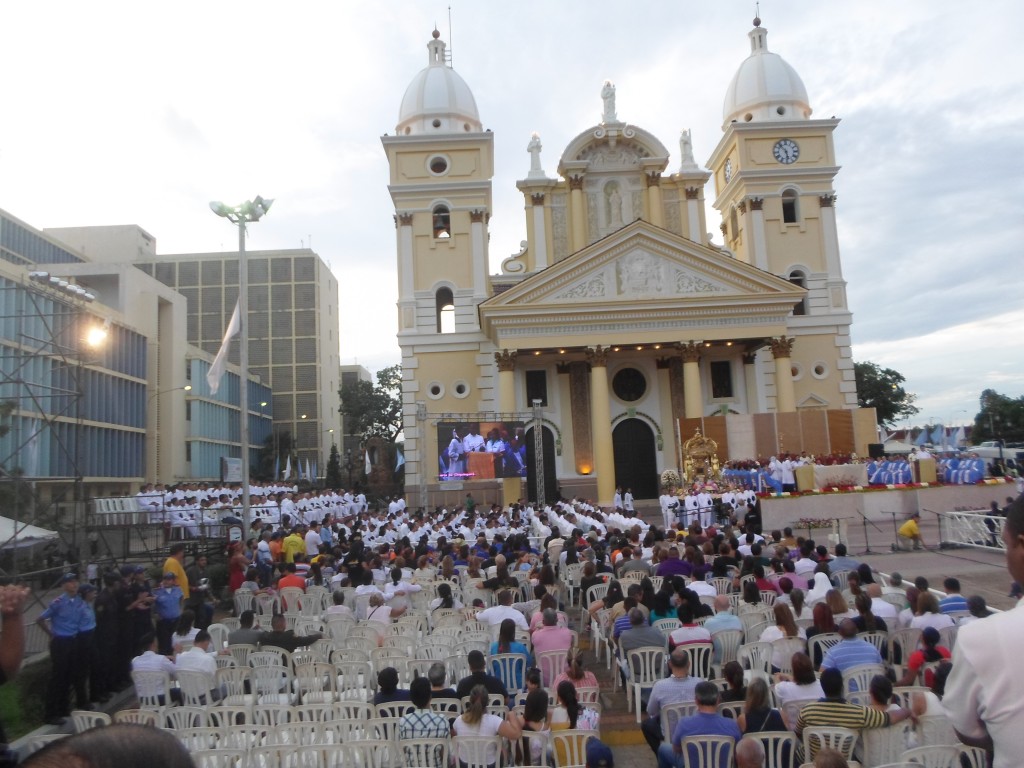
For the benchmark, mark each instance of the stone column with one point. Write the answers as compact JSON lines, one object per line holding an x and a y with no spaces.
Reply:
{"x":478,"y":242}
{"x":579,"y":216}
{"x":601,"y":424}
{"x":758,"y":243}
{"x":406,"y":299}
{"x":785,"y":396}
{"x":830,"y":236}
{"x":750,"y":381}
{"x":693,"y":398}
{"x":540,"y":234}
{"x":511,"y":487}
{"x":693,"y":214}
{"x":655,"y":208}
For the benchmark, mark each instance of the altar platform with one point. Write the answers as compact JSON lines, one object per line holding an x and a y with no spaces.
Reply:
{"x":879,"y":505}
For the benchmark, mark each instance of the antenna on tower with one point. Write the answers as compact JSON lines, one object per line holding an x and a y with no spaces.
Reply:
{"x":449,"y":36}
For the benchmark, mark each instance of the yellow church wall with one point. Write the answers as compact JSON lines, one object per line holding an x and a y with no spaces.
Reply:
{"x":818,"y":351}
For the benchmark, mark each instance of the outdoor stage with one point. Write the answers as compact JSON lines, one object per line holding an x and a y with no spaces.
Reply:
{"x":878,"y":505}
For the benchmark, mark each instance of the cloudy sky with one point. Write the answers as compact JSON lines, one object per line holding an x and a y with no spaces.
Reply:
{"x":118,"y":113}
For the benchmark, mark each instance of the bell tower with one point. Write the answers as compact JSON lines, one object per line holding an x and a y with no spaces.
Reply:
{"x":773,"y":172}
{"x":441,"y":162}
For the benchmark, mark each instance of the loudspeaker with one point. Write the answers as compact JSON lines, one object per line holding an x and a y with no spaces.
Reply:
{"x":876,"y":450}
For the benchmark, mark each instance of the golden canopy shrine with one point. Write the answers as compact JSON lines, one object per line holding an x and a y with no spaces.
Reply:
{"x":620,"y":327}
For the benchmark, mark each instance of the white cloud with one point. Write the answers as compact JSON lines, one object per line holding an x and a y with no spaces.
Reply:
{"x":140,"y":112}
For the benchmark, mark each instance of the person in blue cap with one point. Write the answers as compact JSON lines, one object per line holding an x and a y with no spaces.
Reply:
{"x":62,"y":620}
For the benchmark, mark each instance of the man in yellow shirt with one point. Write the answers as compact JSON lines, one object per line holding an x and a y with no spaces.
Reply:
{"x":293,"y":544}
{"x":174,"y":564}
{"x":909,"y":534}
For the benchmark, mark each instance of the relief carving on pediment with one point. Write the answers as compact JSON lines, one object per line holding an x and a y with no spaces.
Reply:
{"x":640,"y":274}
{"x":688,"y":282}
{"x":591,"y":288}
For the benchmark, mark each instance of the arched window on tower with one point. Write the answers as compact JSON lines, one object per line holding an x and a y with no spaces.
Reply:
{"x":442,"y":222}
{"x":796,"y":277}
{"x":445,"y":304}
{"x":790,"y":207}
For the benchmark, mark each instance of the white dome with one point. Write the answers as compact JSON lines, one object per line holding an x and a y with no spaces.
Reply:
{"x":765,"y":87}
{"x":437,"y":100}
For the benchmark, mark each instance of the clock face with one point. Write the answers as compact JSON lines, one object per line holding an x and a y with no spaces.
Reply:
{"x":728,"y":170}
{"x":786,"y":151}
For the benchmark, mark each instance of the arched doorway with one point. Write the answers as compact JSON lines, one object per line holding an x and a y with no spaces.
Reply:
{"x":636,"y":464}
{"x":550,"y":481}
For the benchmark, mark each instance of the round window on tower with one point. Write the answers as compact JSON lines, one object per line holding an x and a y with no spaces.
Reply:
{"x":438,"y":165}
{"x":460,"y":389}
{"x":435,"y":390}
{"x":629,"y":385}
{"x":436,"y":123}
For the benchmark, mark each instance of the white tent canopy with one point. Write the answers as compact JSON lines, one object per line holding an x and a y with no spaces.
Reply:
{"x":21,"y":534}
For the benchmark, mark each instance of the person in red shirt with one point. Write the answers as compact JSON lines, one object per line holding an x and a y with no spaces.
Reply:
{"x":929,"y":650}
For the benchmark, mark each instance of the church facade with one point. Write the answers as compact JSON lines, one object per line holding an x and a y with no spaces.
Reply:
{"x":620,"y":323}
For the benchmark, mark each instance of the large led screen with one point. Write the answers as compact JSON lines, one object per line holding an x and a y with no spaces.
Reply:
{"x":481,"y":450}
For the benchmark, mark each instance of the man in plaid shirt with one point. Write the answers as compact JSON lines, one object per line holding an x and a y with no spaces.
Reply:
{"x":422,"y":722}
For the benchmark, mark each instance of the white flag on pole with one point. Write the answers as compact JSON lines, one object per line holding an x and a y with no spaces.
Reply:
{"x":368,"y":468}
{"x":216,"y":372}
{"x":400,"y":461}
{"x":287,"y":468}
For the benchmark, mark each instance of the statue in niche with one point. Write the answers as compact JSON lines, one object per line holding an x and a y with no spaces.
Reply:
{"x":614,"y":206}
{"x":608,"y":97}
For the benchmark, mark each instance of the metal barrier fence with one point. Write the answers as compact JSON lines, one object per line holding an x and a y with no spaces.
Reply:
{"x":971,"y":528}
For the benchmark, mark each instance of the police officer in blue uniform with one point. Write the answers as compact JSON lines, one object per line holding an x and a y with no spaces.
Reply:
{"x":62,"y":620}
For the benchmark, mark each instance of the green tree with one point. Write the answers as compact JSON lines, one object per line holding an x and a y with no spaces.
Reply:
{"x":882,"y":389}
{"x":1001,"y":418}
{"x":333,"y":478}
{"x":276,"y":444}
{"x":374,"y":410}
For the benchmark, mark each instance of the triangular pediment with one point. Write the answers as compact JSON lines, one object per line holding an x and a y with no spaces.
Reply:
{"x":641,"y":284}
{"x":643,"y":263}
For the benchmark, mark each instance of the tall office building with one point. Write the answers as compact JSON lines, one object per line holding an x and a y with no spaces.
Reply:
{"x":95,"y":365}
{"x":293,"y":323}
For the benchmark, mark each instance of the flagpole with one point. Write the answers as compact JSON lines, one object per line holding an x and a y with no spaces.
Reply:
{"x":241,"y":215}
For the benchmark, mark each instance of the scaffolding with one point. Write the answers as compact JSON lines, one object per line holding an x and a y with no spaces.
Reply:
{"x":41,"y":388}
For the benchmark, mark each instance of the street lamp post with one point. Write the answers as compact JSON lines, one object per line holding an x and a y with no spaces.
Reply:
{"x":240,"y":215}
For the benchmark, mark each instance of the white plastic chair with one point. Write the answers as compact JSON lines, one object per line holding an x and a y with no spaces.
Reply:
{"x":182,"y":718}
{"x":645,"y":669}
{"x":757,"y":657}
{"x":858,"y":678}
{"x":934,"y":756}
{"x":136,"y":716}
{"x":780,"y":748}
{"x":425,"y":753}
{"x":842,"y":740}
{"x":671,"y":714}
{"x":510,"y":668}
{"x":83,"y":719}
{"x":476,"y":751}
{"x":152,"y":689}
{"x":707,"y":751}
